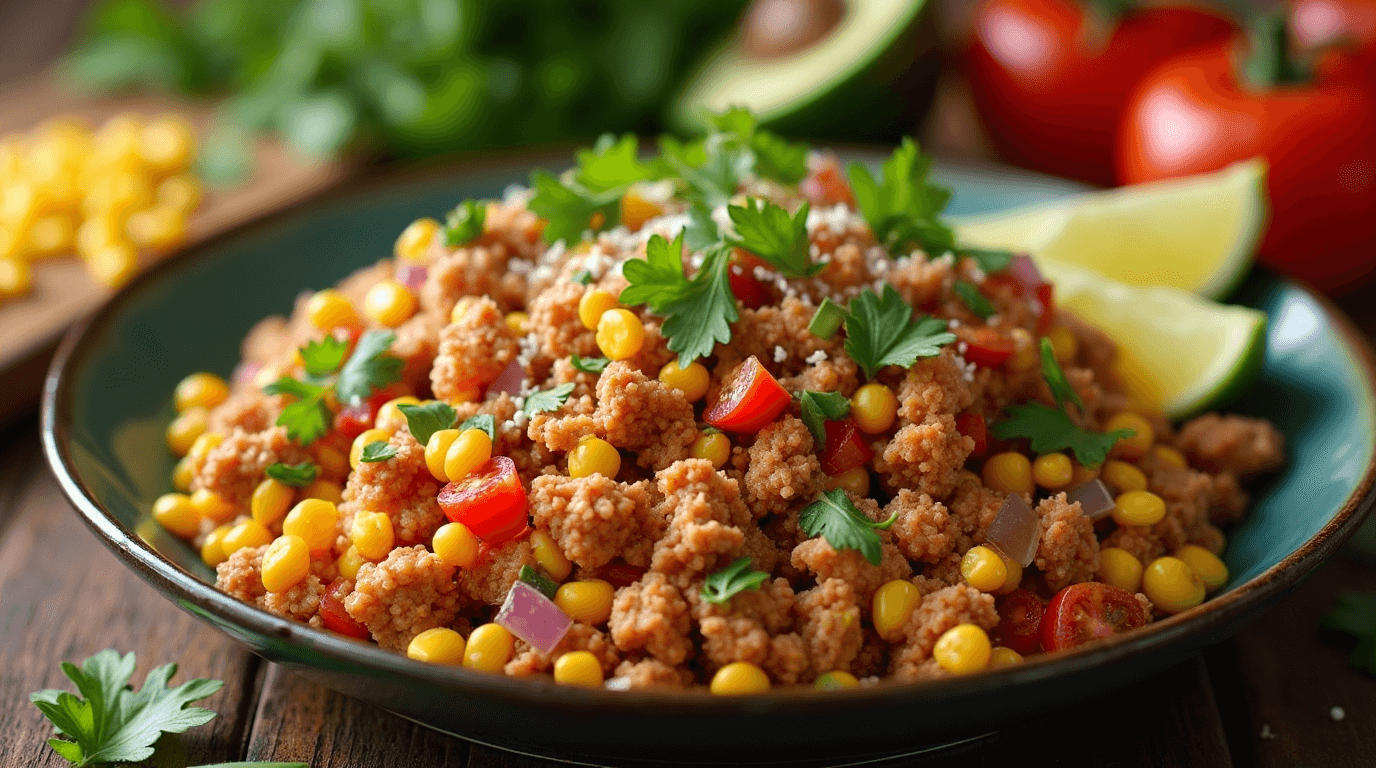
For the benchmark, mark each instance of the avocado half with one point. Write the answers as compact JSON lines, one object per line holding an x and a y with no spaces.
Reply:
{"x":870,"y":79}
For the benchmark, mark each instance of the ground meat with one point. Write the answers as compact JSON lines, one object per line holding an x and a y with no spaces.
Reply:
{"x":752,"y":627}
{"x":407,"y":593}
{"x":706,"y":519}
{"x":922,"y":281}
{"x":554,"y":321}
{"x":653,"y":673}
{"x":938,"y":612}
{"x":973,"y":508}
{"x":873,"y":658}
{"x":1227,"y":499}
{"x":1068,"y":552}
{"x":934,"y":386}
{"x":643,"y":415}
{"x":651,"y":615}
{"x":241,"y":576}
{"x":473,"y":352}
{"x":234,"y":468}
{"x":416,"y":344}
{"x":491,"y":577}
{"x":829,"y":624}
{"x":925,"y":457}
{"x":1239,"y":445}
{"x":924,"y":530}
{"x":784,"y":471}
{"x":301,"y":602}
{"x":838,"y":374}
{"x":1186,"y":493}
{"x":477,"y":270}
{"x":247,"y":410}
{"x":819,"y":558}
{"x":1138,"y":540}
{"x":400,"y":487}
{"x":596,"y":519}
{"x":581,"y":637}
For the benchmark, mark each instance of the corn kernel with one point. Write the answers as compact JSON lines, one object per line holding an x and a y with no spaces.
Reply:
{"x":1172,"y":585}
{"x":1138,"y":508}
{"x":16,"y":278}
{"x":691,"y":381}
{"x":389,"y":303}
{"x":1211,"y":539}
{"x":620,"y":334}
{"x":713,"y":446}
{"x":213,"y":506}
{"x":593,"y":304}
{"x":518,"y":322}
{"x":97,"y":233}
{"x":966,"y":477}
{"x":835,"y":680}
{"x":856,"y":480}
{"x":182,"y":474}
{"x":891,"y":607}
{"x":205,"y":390}
{"x":349,"y":563}
{"x":983,"y":569}
{"x":1168,"y":455}
{"x":1212,"y":571}
{"x":390,"y":417}
{"x":332,"y":461}
{"x":314,"y":521}
{"x":550,"y":557}
{"x":324,"y":490}
{"x":330,"y":309}
{"x":963,"y":649}
{"x":594,"y":456}
{"x":1014,"y":579}
{"x":440,"y":645}
{"x":413,"y":244}
{"x":874,"y":408}
{"x":372,"y":534}
{"x":285,"y":563}
{"x":587,"y":601}
{"x":118,"y":193}
{"x":167,"y":144}
{"x":489,"y":648}
{"x":204,"y":445}
{"x":460,"y":309}
{"x":270,"y":501}
{"x":470,"y":449}
{"x":51,"y":235}
{"x":174,"y":512}
{"x":739,"y":678}
{"x":1123,"y":477}
{"x":183,"y":431}
{"x":157,"y":229}
{"x":181,"y":192}
{"x":117,"y":139}
{"x":1134,"y":447}
{"x":1064,"y":345}
{"x":212,"y":549}
{"x":364,"y":438}
{"x":1120,"y":568}
{"x":249,"y":533}
{"x":436,"y":450}
{"x":1008,"y":472}
{"x":1026,"y":353}
{"x":1004,"y":657}
{"x":578,"y":668}
{"x":636,"y":210}
{"x":455,"y":545}
{"x":1052,"y":471}
{"x":114,"y":265}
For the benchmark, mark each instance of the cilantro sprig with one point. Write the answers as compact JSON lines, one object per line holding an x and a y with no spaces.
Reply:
{"x":698,"y":310}
{"x":881,"y":330}
{"x":465,"y":223}
{"x":548,"y":400}
{"x":376,"y":451}
{"x":905,"y":209}
{"x":589,"y":364}
{"x":428,"y":418}
{"x":767,"y":231}
{"x":571,"y":209}
{"x":484,"y":421}
{"x":351,"y":380}
{"x":836,"y":519}
{"x":820,"y":407}
{"x":737,"y":577}
{"x":295,"y":475}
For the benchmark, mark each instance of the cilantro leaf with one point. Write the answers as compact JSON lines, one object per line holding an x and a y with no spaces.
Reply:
{"x":612,"y":163}
{"x":483,"y":421}
{"x":721,"y":586}
{"x":378,"y":450}
{"x":582,"y":277}
{"x":702,"y":231}
{"x":306,"y":420}
{"x":465,"y":223}
{"x":698,"y":312}
{"x":819,"y":408}
{"x":969,"y":293}
{"x":767,"y":231}
{"x":548,"y":400}
{"x":295,"y":475}
{"x":1056,"y":380}
{"x":368,"y":368}
{"x":427,"y":419}
{"x":324,"y":357}
{"x":713,"y":169}
{"x":570,"y":209}
{"x":880,"y":331}
{"x":289,"y":386}
{"x":906,"y":209}
{"x":989,"y":260}
{"x":836,"y":519}
{"x":773,"y":157}
{"x":589,"y":364}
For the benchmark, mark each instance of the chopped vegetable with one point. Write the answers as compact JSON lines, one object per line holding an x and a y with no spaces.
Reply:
{"x":906,"y":210}
{"x":699,"y":311}
{"x":1020,"y":621}
{"x":465,"y":223}
{"x":582,"y":277}
{"x":820,"y":407}
{"x":571,"y":209}
{"x":977,"y":302}
{"x":985,"y":347}
{"x":335,"y":616}
{"x":989,"y":260}
{"x":836,"y":519}
{"x":1094,"y":497}
{"x":426,"y":419}
{"x":511,"y":380}
{"x":845,"y":448}
{"x":589,"y":364}
{"x":547,"y":400}
{"x":484,"y":421}
{"x":534,"y":618}
{"x":767,"y":231}
{"x":828,"y":320}
{"x":491,"y":501}
{"x":736,"y":577}
{"x":880,"y":331}
{"x":753,"y":399}
{"x":378,"y":450}
{"x":1082,"y":613}
{"x":1016,"y":530}
{"x":535,"y":578}
{"x":295,"y":475}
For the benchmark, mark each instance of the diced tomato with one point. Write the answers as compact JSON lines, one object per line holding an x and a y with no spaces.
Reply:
{"x":491,"y":501}
{"x":846,"y":448}
{"x":1020,"y":621}
{"x":335,"y":617}
{"x":1081,"y":613}
{"x":753,"y":400}
{"x":354,"y":418}
{"x":972,"y":426}
{"x":748,"y":289}
{"x":985,"y":347}
{"x":1024,"y":277}
{"x":825,"y":183}
{"x":620,"y":573}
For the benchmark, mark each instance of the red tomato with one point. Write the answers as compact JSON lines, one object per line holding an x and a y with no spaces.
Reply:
{"x":1315,"y":23}
{"x":826,"y":183}
{"x":1023,"y":278}
{"x":491,"y":501}
{"x":753,"y":400}
{"x":335,"y":617}
{"x":972,"y":426}
{"x":1020,"y":621}
{"x":354,"y":418}
{"x":620,"y":573}
{"x":985,"y":347}
{"x":1050,"y":82}
{"x":846,"y":448}
{"x":1081,"y":613}
{"x":748,"y":289}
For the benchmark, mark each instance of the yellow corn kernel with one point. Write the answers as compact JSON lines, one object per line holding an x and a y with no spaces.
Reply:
{"x":1064,"y":345}
{"x":1168,"y":455}
{"x":332,"y":461}
{"x":349,"y":563}
{"x":330,"y":309}
{"x":182,"y":474}
{"x":212,"y":549}
{"x":963,"y":649}
{"x":1004,"y":657}
{"x":1014,"y":578}
{"x":489,"y":648}
{"x":636,"y":210}
{"x":739,"y":678}
{"x":51,"y":235}
{"x":249,"y":533}
{"x":983,"y":569}
{"x":578,"y":668}
{"x":518,"y":322}
{"x":593,"y":304}
{"x":1135,"y":447}
{"x":114,"y":265}
{"x":966,"y":477}
{"x":314,"y":521}
{"x":874,"y":408}
{"x":436,"y":450}
{"x":1081,"y":474}
{"x":594,"y":456}
{"x":835,"y":680}
{"x":1212,"y":571}
{"x":1052,"y":471}
{"x":183,"y":431}
{"x":1008,"y":472}
{"x":181,"y":192}
{"x":174,"y":512}
{"x":117,"y":193}
{"x":390,"y":417}
{"x":157,"y":229}
{"x":455,"y":545}
{"x":270,"y":501}
{"x":1026,"y":353}
{"x":1123,"y":477}
{"x":1172,"y":585}
{"x":324,"y":490}
{"x":713,"y":446}
{"x":550,"y":557}
{"x":372,"y":534}
{"x":167,"y":144}
{"x":620,"y":334}
{"x":204,"y":445}
{"x":1211,"y":539}
{"x":1138,"y":508}
{"x":413,"y":244}
{"x":469,"y":450}
{"x":440,"y":645}
{"x":691,"y":381}
{"x":16,"y":278}
{"x":204,"y":390}
{"x":856,"y":480}
{"x":117,"y":139}
{"x":97,"y":233}
{"x":364,"y":438}
{"x":587,"y":601}
{"x":285,"y":563}
{"x":891,"y":607}
{"x":460,"y":308}
{"x":213,"y":506}
{"x":389,"y":303}
{"x":1120,"y":568}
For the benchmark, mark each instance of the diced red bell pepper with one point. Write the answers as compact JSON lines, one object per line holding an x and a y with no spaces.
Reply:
{"x":846,"y":448}
{"x":491,"y":501}
{"x":986,"y":347}
{"x":972,"y":426}
{"x":620,"y":573}
{"x":354,"y":418}
{"x":753,"y":400}
{"x":333,"y":614}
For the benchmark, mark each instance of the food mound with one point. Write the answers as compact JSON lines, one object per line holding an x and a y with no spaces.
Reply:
{"x":727,"y":417}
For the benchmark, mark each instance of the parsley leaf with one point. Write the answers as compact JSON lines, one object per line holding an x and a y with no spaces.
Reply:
{"x":427,"y":419}
{"x":773,"y":157}
{"x":836,"y":519}
{"x":465,"y":223}
{"x":289,"y":386}
{"x":819,"y":408}
{"x":570,"y":209}
{"x":767,"y":231}
{"x":736,"y":577}
{"x":295,"y":475}
{"x":483,"y":421}
{"x":702,"y":231}
{"x":1355,"y":615}
{"x":324,"y":357}
{"x":880,"y":331}
{"x":306,"y":420}
{"x":699,"y":311}
{"x":717,"y":179}
{"x":612,"y":163}
{"x":589,"y":364}
{"x":368,"y":368}
{"x":906,"y":210}
{"x":378,"y":450}
{"x":548,"y":400}
{"x":989,"y":261}
{"x":969,"y":293}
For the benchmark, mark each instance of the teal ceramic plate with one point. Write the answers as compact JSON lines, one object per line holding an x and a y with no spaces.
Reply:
{"x":107,"y":401}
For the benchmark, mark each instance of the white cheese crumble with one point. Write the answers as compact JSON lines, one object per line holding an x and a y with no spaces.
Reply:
{"x":817,"y":358}
{"x":780,"y":354}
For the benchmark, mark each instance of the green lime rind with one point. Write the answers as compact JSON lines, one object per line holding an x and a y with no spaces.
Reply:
{"x":1229,"y":388}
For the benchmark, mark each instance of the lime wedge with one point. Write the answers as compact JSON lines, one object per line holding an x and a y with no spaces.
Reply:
{"x":1197,"y":233}
{"x":1177,"y":352}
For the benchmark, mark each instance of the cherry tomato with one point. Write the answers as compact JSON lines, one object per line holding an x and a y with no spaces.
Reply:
{"x":1020,"y":621}
{"x":491,"y":501}
{"x":354,"y":418}
{"x":972,"y":426}
{"x":753,"y":400}
{"x":846,"y":448}
{"x":620,"y":573}
{"x":825,"y":183}
{"x":1315,"y":23}
{"x":985,"y":347}
{"x":335,"y":617}
{"x":1193,"y":115}
{"x":748,"y":289}
{"x":1081,"y":613}
{"x":1050,"y":80}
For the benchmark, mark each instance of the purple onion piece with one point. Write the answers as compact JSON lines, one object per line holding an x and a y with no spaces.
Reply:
{"x":510,"y":381}
{"x":1016,"y":530}
{"x":533,"y":617}
{"x":245,"y":372}
{"x":1024,"y":270}
{"x":412,"y":275}
{"x":1095,"y":498}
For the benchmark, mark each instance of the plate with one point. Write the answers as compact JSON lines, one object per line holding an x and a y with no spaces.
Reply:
{"x":107,"y":402}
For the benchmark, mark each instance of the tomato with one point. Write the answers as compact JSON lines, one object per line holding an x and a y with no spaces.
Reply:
{"x":1050,"y":82}
{"x":748,"y":289}
{"x":620,"y":573}
{"x":333,"y":614}
{"x":1020,"y":621}
{"x":1194,"y":115}
{"x":354,"y":418}
{"x":491,"y":501}
{"x":1081,"y":613}
{"x":972,"y":426}
{"x":825,"y":183}
{"x":846,"y":448}
{"x":1315,"y":23}
{"x":753,"y":400}
{"x":985,"y":347}
{"x":1024,"y":279}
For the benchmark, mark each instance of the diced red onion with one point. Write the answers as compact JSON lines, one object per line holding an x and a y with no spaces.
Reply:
{"x":412,"y":275}
{"x":1016,"y":530}
{"x":245,"y":372}
{"x":1095,"y":498}
{"x":1024,"y":271}
{"x":510,"y":381}
{"x":533,"y":617}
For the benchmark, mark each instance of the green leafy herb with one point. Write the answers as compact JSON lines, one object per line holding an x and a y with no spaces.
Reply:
{"x":324,"y":357}
{"x":582,"y":277}
{"x":378,"y":450}
{"x":465,"y":223}
{"x":1056,"y":380}
{"x":721,"y":586}
{"x":989,"y":261}
{"x":881,"y":330}
{"x":772,"y":157}
{"x":701,"y":231}
{"x":289,"y":386}
{"x":613,"y":164}
{"x":307,"y":419}
{"x":906,"y":209}
{"x":483,"y":421}
{"x":535,"y":578}
{"x":699,"y":311}
{"x":427,"y":419}
{"x":819,"y":408}
{"x":589,"y":364}
{"x":548,"y":400}
{"x":969,"y":293}
{"x":295,"y":475}
{"x":369,"y":368}
{"x":570,"y":209}
{"x":836,"y":519}
{"x":767,"y":231}
{"x":1355,"y":615}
